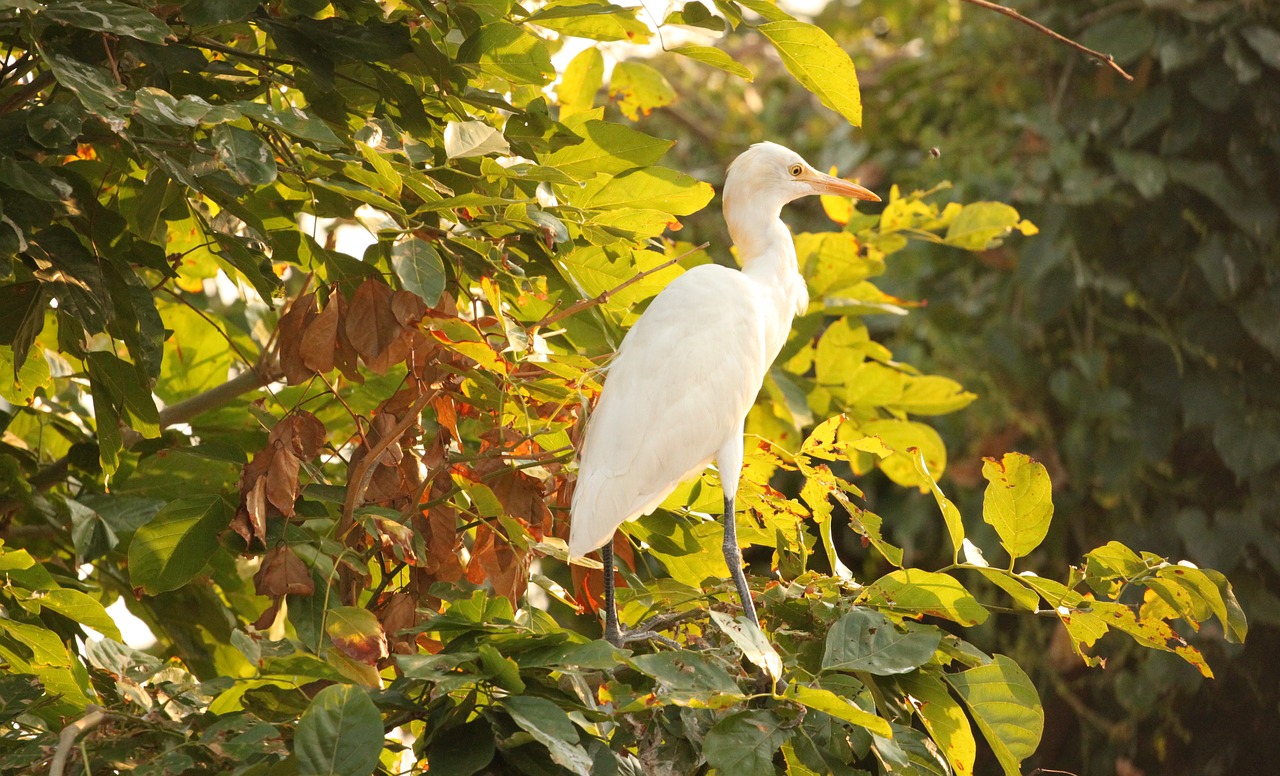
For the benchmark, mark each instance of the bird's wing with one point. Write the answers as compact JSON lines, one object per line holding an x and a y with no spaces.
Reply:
{"x":682,"y":382}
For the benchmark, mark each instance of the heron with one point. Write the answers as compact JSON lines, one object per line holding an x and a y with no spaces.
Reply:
{"x":676,"y":395}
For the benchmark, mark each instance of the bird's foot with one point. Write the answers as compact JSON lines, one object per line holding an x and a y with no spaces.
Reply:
{"x":648,"y":631}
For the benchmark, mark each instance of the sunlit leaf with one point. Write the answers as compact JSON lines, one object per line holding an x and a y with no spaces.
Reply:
{"x":818,"y":63}
{"x":1004,"y":703}
{"x":1018,"y":502}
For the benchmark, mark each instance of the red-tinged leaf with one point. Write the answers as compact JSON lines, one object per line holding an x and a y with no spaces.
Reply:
{"x":356,"y":633}
{"x":408,"y":308}
{"x":283,"y":573}
{"x":446,"y":415}
{"x":495,"y":560}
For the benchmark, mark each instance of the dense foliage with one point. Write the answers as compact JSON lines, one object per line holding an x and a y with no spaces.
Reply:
{"x":1131,"y":346}
{"x":334,"y":487}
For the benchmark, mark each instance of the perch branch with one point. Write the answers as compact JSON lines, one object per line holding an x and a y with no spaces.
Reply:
{"x":1037,"y":26}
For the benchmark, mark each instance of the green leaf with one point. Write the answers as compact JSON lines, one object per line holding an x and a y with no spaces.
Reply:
{"x":340,"y":734}
{"x":82,"y":608}
{"x":507,"y":51}
{"x":1018,"y":502}
{"x":579,"y":83}
{"x":864,"y":640}
{"x":649,"y":187}
{"x":607,"y":148}
{"x":18,"y":382}
{"x":109,"y":16}
{"x":915,"y":592}
{"x":981,"y":225}
{"x":587,"y":19}
{"x":829,"y":703}
{"x":419,"y":268}
{"x":464,"y":139}
{"x":121,"y":385}
{"x":245,"y":155}
{"x":950,"y":514}
{"x":177,"y":543}
{"x":819,"y":64}
{"x":639,"y":89}
{"x":552,"y":728}
{"x":1265,"y":42}
{"x":54,"y":125}
{"x":94,"y":86}
{"x":709,"y":55}
{"x":291,"y":120}
{"x":1004,"y":703}
{"x":743,"y":744}
{"x":686,"y":670}
{"x":751,"y":640}
{"x":463,"y":750}
{"x":944,"y":718}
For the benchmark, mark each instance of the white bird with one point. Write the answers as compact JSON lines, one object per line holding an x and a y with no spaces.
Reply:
{"x":677,"y":394}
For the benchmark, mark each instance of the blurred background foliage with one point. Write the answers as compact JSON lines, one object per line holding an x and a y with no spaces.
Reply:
{"x":1133,"y":345}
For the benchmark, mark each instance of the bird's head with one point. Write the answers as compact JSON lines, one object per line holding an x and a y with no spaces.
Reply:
{"x":768,"y":175}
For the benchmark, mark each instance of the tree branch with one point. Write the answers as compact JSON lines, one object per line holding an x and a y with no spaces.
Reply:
{"x":67,"y":738}
{"x":603,"y":296}
{"x":1037,"y":26}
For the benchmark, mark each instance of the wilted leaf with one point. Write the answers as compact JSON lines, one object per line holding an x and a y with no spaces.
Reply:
{"x":356,"y":633}
{"x":283,"y":573}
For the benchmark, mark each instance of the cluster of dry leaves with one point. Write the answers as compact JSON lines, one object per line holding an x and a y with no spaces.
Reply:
{"x":410,"y":516}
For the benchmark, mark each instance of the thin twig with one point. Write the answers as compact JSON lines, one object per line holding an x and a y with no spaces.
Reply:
{"x":603,"y":296}
{"x":1037,"y":26}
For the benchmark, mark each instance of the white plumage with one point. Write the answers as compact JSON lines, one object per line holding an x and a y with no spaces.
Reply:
{"x":677,"y":394}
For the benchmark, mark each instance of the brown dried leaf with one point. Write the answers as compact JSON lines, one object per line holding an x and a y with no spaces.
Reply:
{"x":373,"y":329}
{"x":282,"y":479}
{"x":399,"y":613}
{"x":291,"y":328}
{"x":320,"y":340}
{"x":283,"y":573}
{"x":495,"y":560}
{"x":408,"y":308}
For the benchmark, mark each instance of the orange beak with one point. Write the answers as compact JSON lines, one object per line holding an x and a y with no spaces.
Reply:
{"x":836,"y":187}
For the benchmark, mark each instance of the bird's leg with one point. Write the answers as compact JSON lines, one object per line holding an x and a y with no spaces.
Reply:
{"x":612,"y":633}
{"x":733,"y":558}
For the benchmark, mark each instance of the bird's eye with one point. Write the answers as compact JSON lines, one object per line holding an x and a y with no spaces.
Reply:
{"x":796,"y":170}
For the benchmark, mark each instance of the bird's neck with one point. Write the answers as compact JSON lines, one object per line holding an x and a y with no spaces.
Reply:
{"x":768,"y":254}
